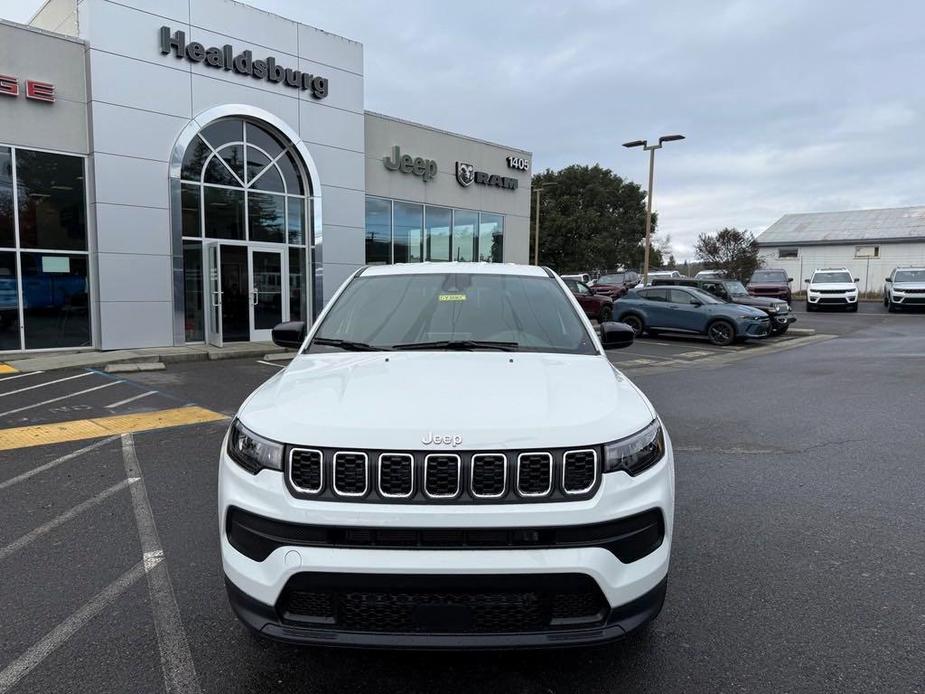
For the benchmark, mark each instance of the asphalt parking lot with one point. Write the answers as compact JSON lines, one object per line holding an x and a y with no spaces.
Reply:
{"x":798,"y":560}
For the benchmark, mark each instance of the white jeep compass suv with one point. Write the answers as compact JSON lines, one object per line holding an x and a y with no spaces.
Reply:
{"x":832,"y":286}
{"x":905,"y":287}
{"x":422,"y":475}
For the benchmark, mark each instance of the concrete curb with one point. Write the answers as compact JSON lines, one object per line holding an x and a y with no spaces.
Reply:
{"x":132,"y":368}
{"x":801,"y":331}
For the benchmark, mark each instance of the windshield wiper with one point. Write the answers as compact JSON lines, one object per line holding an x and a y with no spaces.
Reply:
{"x":461,"y":345}
{"x":348,"y":345}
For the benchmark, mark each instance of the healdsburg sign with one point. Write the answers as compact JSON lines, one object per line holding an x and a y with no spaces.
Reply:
{"x":224,"y":58}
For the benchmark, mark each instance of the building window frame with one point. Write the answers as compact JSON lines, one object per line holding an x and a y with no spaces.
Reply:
{"x":869,"y":251}
{"x":788,"y":253}
{"x":18,"y":249}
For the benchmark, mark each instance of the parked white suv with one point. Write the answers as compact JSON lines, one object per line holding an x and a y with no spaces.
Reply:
{"x":422,"y":476}
{"x":832,"y":286}
{"x":905,"y":287}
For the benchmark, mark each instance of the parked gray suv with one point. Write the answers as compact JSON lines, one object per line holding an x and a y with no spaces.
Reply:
{"x":904,"y":287}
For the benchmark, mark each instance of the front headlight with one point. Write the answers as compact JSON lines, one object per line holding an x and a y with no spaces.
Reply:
{"x":253,"y":452}
{"x":637,"y":452}
{"x":773,"y":308}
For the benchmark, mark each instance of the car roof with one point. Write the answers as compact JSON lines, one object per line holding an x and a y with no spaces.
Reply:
{"x":429,"y":268}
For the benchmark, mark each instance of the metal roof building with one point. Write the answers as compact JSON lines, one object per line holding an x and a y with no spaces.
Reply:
{"x":870,"y":243}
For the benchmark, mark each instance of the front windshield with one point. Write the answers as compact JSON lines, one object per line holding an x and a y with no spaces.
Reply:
{"x":736,"y":289}
{"x":704,"y":296}
{"x":611,"y":279}
{"x":909,"y":276}
{"x":527,"y":314}
{"x":769,"y":276}
{"x":831,"y":277}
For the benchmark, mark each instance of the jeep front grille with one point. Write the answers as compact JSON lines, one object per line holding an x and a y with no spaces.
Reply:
{"x":443,"y":476}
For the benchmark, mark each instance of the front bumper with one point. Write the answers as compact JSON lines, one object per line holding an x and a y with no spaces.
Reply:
{"x":832,"y":299}
{"x":632,"y":592}
{"x":759,"y":328}
{"x":781,"y":320}
{"x":618,"y":623}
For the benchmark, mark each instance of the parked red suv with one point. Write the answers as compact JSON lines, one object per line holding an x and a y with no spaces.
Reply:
{"x":595,"y":306}
{"x":771,"y":283}
{"x":615,"y":284}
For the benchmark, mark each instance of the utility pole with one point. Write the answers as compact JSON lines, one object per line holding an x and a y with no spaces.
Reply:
{"x":651,"y":150}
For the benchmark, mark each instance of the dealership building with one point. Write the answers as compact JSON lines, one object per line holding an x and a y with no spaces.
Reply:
{"x":196,"y":171}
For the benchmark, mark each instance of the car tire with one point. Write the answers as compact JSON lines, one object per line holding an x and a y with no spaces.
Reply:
{"x":780,"y":331}
{"x":721,"y":333}
{"x":853,"y":308}
{"x":634,"y":322}
{"x":891,"y":307}
{"x":809,"y":307}
{"x":606,"y":313}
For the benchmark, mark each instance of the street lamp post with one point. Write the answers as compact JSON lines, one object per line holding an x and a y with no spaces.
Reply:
{"x":536,"y":223}
{"x":651,"y":150}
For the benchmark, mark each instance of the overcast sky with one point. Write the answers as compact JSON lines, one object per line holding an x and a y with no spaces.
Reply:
{"x":788,"y":105}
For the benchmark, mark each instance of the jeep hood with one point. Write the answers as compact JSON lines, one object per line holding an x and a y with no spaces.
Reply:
{"x":493,"y":400}
{"x":841,"y":286}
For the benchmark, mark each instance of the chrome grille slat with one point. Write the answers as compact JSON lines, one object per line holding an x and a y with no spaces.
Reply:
{"x":395,"y":478}
{"x":306,"y":469}
{"x":345,"y":475}
{"x":440,"y":471}
{"x":483,"y":475}
{"x":532,"y":470}
{"x":579,"y":471}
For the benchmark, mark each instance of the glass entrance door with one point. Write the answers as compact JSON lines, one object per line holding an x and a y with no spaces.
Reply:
{"x":267,"y":298}
{"x":213,"y":295}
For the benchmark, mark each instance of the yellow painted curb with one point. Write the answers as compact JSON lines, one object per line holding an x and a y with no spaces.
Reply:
{"x":7,"y":369}
{"x":77,"y":430}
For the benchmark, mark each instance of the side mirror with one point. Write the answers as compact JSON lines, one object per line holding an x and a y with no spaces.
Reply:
{"x":616,"y":335}
{"x":696,"y":303}
{"x":807,"y":281}
{"x":889,"y":279}
{"x":857,"y":279}
{"x":290,"y":334}
{"x":790,"y":279}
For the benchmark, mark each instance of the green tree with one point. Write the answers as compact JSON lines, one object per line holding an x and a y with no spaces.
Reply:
{"x":591,"y":219}
{"x":731,"y":250}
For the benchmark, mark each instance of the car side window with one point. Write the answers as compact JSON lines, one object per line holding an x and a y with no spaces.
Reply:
{"x":582,"y":288}
{"x":571,"y":284}
{"x":679,"y":296}
{"x":655,"y":295}
{"x":715,"y":288}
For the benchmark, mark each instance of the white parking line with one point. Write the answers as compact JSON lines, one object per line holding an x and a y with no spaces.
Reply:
{"x":28,"y":661}
{"x":47,"y":383}
{"x":176,"y":659}
{"x":132,"y":399}
{"x":25,"y":375}
{"x":269,"y":363}
{"x":57,"y":461}
{"x":63,"y":397}
{"x":32,"y":536}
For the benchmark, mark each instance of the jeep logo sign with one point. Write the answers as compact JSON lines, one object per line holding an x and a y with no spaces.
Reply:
{"x":425,"y":168}
{"x":432,"y":439}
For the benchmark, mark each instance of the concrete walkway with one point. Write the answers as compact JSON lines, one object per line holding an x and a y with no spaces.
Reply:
{"x":49,"y":361}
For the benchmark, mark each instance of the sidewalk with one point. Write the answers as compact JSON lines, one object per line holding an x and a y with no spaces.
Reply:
{"x":49,"y":361}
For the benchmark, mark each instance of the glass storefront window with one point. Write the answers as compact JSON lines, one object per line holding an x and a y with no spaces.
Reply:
{"x":297,"y":284}
{"x":56,"y":304}
{"x":491,"y":237}
{"x":378,"y":231}
{"x":193,"y":290}
{"x":296,"y":221}
{"x":52,"y":203}
{"x":408,"y":232}
{"x":7,"y":227}
{"x":464,"y":237}
{"x":267,"y":217}
{"x":9,"y":302}
{"x":437,"y":232}
{"x":224,"y":210}
{"x":189,"y":204}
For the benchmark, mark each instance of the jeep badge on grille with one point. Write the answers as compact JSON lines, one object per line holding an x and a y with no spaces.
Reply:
{"x":432,"y":439}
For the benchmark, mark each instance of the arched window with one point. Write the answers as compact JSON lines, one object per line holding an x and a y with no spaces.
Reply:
{"x":242,"y":182}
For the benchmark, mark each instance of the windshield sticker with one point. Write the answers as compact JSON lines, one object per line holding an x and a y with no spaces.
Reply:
{"x":451,"y":297}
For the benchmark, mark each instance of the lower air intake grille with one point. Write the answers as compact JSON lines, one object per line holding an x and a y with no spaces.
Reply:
{"x":350,"y":474}
{"x":443,"y":604}
{"x":534,"y":474}
{"x":305,"y":467}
